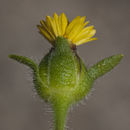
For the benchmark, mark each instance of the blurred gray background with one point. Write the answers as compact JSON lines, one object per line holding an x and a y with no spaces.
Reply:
{"x":108,"y":107}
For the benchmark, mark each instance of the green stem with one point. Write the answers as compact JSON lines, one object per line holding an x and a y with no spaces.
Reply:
{"x":60,"y":114}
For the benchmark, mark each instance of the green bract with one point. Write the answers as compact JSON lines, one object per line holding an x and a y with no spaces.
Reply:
{"x":62,"y":79}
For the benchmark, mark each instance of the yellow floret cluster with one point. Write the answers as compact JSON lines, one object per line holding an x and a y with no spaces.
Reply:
{"x":75,"y":31}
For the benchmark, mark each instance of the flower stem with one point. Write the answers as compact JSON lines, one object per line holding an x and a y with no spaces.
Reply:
{"x":60,"y":114}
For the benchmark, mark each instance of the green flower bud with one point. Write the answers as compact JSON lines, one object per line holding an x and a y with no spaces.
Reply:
{"x":63,"y":74}
{"x":62,"y":79}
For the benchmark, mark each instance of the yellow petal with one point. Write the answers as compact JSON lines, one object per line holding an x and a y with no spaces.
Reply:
{"x":63,"y":22}
{"x":48,"y":23}
{"x":83,"y":33}
{"x":53,"y":26}
{"x":77,"y":28}
{"x":88,"y":35}
{"x":83,"y":19}
{"x":45,"y":33}
{"x":46,"y":26}
{"x":57,"y":24}
{"x":85,"y":40}
{"x":85,"y":37}
{"x":72,"y":24}
{"x":92,"y":33}
{"x":87,"y":29}
{"x":86,"y":23}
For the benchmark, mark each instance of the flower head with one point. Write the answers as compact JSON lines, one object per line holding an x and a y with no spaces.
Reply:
{"x":75,"y":31}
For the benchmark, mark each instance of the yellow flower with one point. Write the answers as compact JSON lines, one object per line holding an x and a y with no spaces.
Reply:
{"x":76,"y":31}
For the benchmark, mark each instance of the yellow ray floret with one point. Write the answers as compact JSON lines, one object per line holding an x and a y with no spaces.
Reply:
{"x":76,"y":31}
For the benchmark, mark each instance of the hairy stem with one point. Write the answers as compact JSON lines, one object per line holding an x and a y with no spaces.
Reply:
{"x":60,"y":114}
